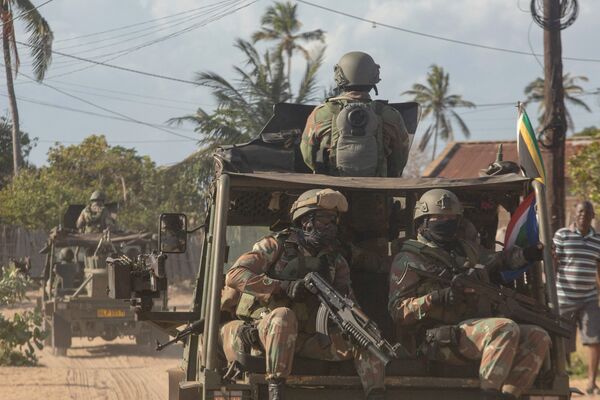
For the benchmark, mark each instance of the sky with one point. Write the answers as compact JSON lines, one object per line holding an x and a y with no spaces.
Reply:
{"x":178,"y":38}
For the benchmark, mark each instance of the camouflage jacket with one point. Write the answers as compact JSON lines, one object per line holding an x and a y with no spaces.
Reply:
{"x":93,"y":219}
{"x":410,"y":296}
{"x":258,"y":274}
{"x":317,"y":134}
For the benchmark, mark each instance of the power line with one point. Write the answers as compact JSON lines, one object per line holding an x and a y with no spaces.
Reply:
{"x":21,"y":15}
{"x":110,"y":111}
{"x":437,"y":37}
{"x":80,"y":111}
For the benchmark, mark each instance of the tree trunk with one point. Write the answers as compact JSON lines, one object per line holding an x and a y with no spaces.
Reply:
{"x":554,"y":122}
{"x":12,"y":101}
{"x":435,"y":137}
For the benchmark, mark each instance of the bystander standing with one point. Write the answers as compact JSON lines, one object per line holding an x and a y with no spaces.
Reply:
{"x":577,"y":249}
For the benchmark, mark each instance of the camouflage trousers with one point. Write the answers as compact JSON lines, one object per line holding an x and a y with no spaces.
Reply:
{"x":280,"y":339}
{"x":511,"y":354}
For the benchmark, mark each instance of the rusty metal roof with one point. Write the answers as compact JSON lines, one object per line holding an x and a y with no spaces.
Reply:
{"x":466,"y":159}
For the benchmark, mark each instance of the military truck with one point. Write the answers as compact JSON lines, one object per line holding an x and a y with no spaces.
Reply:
{"x":75,"y":299}
{"x":255,"y":185}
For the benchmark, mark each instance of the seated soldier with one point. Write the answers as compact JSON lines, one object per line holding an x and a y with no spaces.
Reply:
{"x":271,"y":295}
{"x":444,"y":322}
{"x":352,"y":135}
{"x":95,"y":217}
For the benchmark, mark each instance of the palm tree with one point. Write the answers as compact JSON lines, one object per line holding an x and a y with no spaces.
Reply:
{"x":244,"y":107}
{"x":535,"y":94}
{"x":280,"y":23}
{"x":436,"y":101}
{"x":40,"y":42}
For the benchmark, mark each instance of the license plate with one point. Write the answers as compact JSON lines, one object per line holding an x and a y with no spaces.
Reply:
{"x":110,"y":313}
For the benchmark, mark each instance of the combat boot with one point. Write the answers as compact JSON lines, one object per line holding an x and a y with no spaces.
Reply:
{"x":276,"y":389}
{"x":491,"y":394}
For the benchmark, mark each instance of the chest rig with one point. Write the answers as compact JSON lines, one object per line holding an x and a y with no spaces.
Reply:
{"x":291,"y":264}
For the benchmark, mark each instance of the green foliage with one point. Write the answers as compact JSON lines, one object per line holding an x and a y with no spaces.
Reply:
{"x":245,"y":104}
{"x":21,"y":335}
{"x":38,"y":198}
{"x":584,"y":170}
{"x":440,"y":105}
{"x":6,"y":151}
{"x":578,"y":367}
{"x":590,"y":131}
{"x":535,"y":94}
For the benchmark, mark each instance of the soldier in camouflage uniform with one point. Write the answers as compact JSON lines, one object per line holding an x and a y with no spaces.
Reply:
{"x":278,"y":310}
{"x":95,"y":217}
{"x":445,"y":323}
{"x":352,"y":135}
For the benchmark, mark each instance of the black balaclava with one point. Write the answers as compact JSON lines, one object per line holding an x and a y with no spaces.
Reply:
{"x":318,"y":236}
{"x":442,"y":232}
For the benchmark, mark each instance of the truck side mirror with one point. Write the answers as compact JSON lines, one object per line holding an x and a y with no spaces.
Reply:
{"x":172,"y":233}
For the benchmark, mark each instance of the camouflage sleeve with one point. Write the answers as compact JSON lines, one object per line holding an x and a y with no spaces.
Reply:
{"x":341,"y":280}
{"x":405,"y":307}
{"x":248,"y":274}
{"x":317,"y":126}
{"x":396,"y":141}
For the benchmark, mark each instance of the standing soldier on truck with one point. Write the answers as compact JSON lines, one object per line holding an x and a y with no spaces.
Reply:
{"x":267,"y":288}
{"x":95,"y":217}
{"x":446,"y":323}
{"x":351,"y":134}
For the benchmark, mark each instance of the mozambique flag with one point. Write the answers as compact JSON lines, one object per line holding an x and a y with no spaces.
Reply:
{"x":530,"y":157}
{"x":522,"y":231}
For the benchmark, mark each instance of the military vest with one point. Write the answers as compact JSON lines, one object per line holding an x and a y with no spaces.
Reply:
{"x":356,"y":142}
{"x":291,"y":264}
{"x":453,"y":264}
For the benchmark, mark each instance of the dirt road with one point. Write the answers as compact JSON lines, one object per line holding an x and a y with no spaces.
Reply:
{"x":94,"y":370}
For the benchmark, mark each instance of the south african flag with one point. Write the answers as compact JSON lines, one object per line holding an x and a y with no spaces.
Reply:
{"x":530,"y":157}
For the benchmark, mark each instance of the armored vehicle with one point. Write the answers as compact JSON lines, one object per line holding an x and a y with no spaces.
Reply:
{"x":75,"y":300}
{"x":255,"y":186}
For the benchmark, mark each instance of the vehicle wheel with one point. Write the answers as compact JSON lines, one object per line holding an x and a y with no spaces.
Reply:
{"x":143,"y":339}
{"x":61,"y":335}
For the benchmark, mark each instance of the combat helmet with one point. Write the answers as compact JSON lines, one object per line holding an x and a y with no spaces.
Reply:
{"x":356,"y":69}
{"x":66,"y":254}
{"x":318,"y":199}
{"x":98,"y":196}
{"x":438,"y":202}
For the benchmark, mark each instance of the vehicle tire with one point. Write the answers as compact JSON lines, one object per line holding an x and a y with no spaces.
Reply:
{"x":61,"y":335}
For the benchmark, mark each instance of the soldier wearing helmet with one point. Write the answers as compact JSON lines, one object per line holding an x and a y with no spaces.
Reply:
{"x":95,"y":217}
{"x":445,"y":323}
{"x":265,"y":287}
{"x":352,"y":135}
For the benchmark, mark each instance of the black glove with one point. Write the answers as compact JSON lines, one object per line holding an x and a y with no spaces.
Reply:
{"x":295,"y":290}
{"x":534,"y":253}
{"x":447,"y":296}
{"x":248,"y":334}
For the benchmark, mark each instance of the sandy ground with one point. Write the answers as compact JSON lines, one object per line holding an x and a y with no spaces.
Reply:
{"x":117,"y":370}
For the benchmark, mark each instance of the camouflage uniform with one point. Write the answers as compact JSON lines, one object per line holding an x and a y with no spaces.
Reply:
{"x":511,"y":354}
{"x":94,"y":219}
{"x":318,"y":135}
{"x":287,"y":328}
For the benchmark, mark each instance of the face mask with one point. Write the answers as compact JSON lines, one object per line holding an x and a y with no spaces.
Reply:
{"x":442,"y":230}
{"x":319,"y":235}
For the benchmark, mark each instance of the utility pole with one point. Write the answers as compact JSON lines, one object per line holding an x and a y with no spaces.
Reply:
{"x":554,"y":123}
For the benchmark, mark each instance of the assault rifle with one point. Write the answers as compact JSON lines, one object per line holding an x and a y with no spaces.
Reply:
{"x":195,"y":328}
{"x":353,"y":322}
{"x":505,"y":302}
